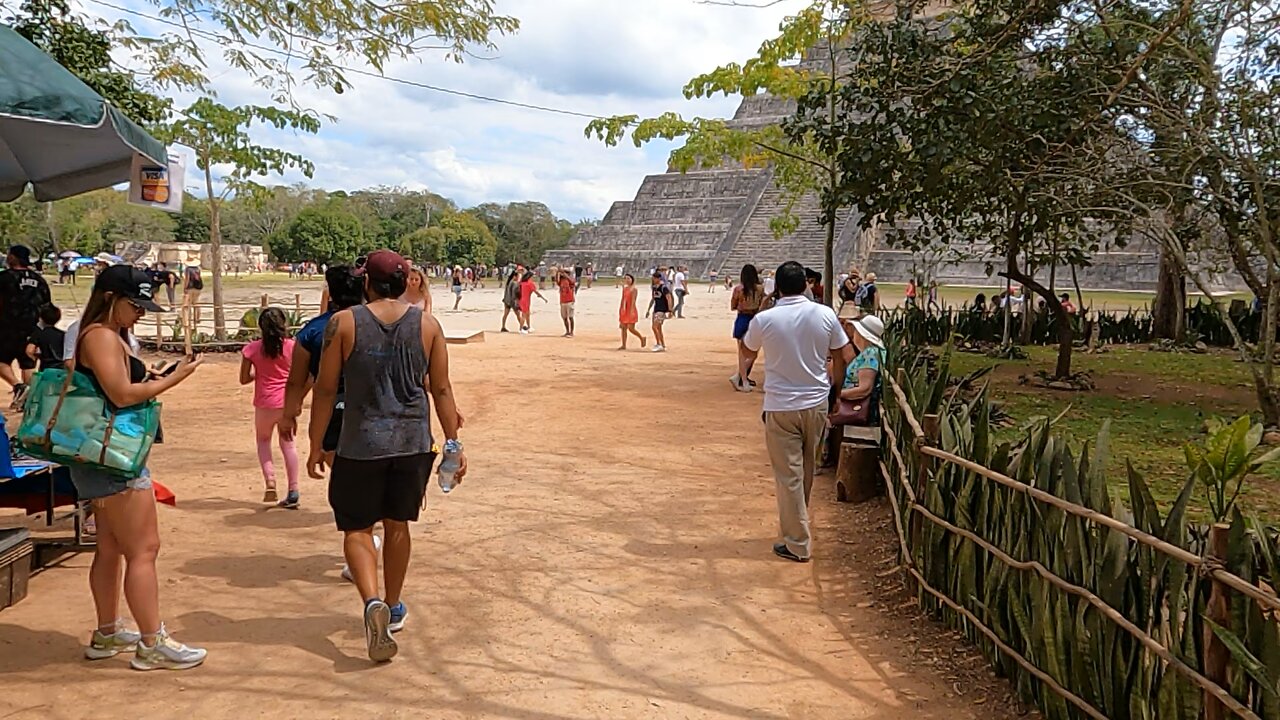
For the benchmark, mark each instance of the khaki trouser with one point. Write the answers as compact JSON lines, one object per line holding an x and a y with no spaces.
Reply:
{"x":793,"y":439}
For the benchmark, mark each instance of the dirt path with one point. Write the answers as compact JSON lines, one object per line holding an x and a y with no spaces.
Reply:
{"x":608,"y":558}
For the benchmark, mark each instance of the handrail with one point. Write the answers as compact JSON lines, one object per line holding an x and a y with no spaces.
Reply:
{"x":1233,"y":581}
{"x":922,"y":446}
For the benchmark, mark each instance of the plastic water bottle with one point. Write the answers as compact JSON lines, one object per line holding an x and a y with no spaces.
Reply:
{"x":449,"y":466}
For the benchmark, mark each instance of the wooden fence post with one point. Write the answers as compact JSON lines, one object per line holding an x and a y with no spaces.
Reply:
{"x":297,"y":305}
{"x":1216,"y":656}
{"x":159,"y":335}
{"x":264,"y":302}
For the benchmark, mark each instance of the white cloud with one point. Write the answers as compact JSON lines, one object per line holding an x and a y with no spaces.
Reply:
{"x":593,"y":56}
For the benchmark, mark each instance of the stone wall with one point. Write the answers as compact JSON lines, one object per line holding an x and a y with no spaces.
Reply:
{"x":241,"y":257}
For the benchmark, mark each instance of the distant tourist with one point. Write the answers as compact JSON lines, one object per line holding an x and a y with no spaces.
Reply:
{"x":418,"y":291}
{"x":458,"y":280}
{"x":660,"y":308}
{"x":161,"y":276}
{"x":23,"y":291}
{"x":769,"y":283}
{"x":265,"y":363}
{"x":681,"y":290}
{"x":910,"y":299}
{"x":542,"y":275}
{"x":568,"y":291}
{"x":933,"y":304}
{"x":849,"y":288}
{"x":590,"y":274}
{"x":979,"y":304}
{"x":527,"y":291}
{"x":67,"y":271}
{"x":619,"y":272}
{"x":812,"y":286}
{"x":577,"y":276}
{"x":868,"y":295}
{"x":511,"y":298}
{"x":389,"y":356}
{"x":192,"y":286}
{"x":745,"y":301}
{"x":713,"y":276}
{"x":628,"y":312}
{"x":797,"y":337}
{"x":1065,"y":300}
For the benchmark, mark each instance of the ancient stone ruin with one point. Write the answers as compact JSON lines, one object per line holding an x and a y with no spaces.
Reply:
{"x":719,"y":219}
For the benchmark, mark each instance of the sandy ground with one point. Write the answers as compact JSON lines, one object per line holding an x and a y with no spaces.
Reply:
{"x":608,"y":557}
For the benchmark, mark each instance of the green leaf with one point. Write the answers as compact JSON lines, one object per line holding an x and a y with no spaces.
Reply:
{"x":1245,"y":659}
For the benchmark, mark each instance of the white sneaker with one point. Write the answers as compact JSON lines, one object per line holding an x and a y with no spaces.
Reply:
{"x":738,"y":385}
{"x":346,"y":569}
{"x":659,"y":348}
{"x":523,"y":331}
{"x":123,"y":640}
{"x":166,"y":654}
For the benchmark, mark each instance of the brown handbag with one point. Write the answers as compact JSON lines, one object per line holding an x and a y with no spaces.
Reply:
{"x":851,"y":412}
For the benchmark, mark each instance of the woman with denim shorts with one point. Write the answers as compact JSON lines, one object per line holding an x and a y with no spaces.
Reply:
{"x":128,"y":535}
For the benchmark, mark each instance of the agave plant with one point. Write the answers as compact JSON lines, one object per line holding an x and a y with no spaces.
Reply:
{"x":1228,"y":456}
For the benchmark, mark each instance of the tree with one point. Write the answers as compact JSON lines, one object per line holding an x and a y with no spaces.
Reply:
{"x":525,"y":231}
{"x":424,"y":245}
{"x":815,"y":33}
{"x":467,"y":240}
{"x":326,"y":232}
{"x":282,"y":44}
{"x":192,"y":224}
{"x":219,"y":135}
{"x":1203,"y":144}
{"x":973,"y":127}
{"x":86,"y":52}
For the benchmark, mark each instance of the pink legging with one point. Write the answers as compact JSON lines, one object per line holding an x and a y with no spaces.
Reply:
{"x":265,"y":421}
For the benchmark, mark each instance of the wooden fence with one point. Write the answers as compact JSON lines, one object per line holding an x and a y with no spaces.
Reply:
{"x":179,"y":331}
{"x":1087,"y":614}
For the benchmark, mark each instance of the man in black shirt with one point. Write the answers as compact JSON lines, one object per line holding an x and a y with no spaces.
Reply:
{"x":162,"y":276}
{"x":660,"y":307}
{"x":22,"y":292}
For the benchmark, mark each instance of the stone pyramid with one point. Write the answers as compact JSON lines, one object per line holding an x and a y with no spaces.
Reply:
{"x":719,"y":219}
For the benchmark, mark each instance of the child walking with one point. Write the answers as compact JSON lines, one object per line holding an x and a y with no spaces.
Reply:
{"x":266,"y":365}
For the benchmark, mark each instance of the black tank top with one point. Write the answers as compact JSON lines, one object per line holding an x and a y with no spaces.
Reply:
{"x":387,"y":412}
{"x":137,"y":373}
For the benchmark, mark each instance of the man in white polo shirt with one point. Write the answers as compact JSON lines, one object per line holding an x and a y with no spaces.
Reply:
{"x":797,"y":336}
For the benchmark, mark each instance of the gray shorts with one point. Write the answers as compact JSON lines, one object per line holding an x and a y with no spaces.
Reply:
{"x":96,"y":484}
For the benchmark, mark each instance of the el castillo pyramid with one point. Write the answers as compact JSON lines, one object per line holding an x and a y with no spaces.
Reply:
{"x":718,"y":219}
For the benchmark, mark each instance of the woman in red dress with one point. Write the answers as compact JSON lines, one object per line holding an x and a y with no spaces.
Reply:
{"x":628,"y":315}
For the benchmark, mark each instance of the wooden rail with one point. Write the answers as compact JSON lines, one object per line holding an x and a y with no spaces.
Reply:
{"x":1216,"y":696}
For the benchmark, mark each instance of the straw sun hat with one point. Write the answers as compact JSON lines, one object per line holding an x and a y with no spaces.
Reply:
{"x":871,"y":328}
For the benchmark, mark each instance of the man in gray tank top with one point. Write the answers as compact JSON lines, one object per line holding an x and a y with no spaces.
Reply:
{"x":390,"y":355}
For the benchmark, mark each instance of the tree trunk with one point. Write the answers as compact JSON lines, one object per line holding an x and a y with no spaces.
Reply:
{"x":1168,"y":312}
{"x":828,"y":263}
{"x":215,"y":255}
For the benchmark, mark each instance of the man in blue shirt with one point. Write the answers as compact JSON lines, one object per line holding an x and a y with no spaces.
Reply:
{"x":345,"y":290}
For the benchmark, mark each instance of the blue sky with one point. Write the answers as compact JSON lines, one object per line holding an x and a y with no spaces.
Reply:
{"x":594,"y":56}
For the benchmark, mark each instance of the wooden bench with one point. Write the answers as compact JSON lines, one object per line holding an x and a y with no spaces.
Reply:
{"x":858,"y":474}
{"x":464,"y":337}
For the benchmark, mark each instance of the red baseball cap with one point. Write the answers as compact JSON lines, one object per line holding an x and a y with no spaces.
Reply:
{"x":382,"y":265}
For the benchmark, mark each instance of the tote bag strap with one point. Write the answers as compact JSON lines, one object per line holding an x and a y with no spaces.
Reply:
{"x":62,"y":396}
{"x":70,"y":366}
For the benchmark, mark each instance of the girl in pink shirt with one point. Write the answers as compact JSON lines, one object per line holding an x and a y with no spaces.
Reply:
{"x":266,"y":365}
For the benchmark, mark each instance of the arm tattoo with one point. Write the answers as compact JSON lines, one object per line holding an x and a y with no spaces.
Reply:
{"x":330,"y":332}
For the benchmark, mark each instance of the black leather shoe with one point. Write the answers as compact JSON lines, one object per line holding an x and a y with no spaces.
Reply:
{"x":784,"y":552}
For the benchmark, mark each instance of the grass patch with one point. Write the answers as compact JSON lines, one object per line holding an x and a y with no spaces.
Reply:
{"x":1156,"y":403}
